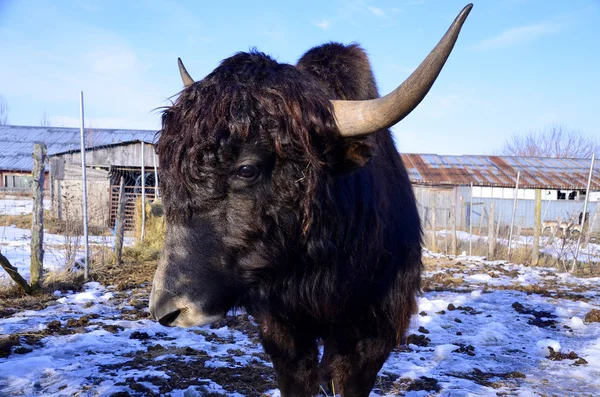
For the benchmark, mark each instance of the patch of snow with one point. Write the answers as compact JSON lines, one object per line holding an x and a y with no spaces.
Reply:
{"x":542,"y":347}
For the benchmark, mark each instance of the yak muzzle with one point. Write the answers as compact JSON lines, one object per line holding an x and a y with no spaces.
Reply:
{"x":163,"y":308}
{"x":171,"y":310}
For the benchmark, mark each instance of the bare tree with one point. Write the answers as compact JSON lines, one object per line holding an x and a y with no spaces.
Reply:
{"x":3,"y":111}
{"x":45,"y":120}
{"x":555,"y":140}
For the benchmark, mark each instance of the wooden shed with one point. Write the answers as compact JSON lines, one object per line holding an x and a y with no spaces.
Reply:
{"x":134,"y":161}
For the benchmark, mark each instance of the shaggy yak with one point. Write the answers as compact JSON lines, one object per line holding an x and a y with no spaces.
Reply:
{"x":285,"y":196}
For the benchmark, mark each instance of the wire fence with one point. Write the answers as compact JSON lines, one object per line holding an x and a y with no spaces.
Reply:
{"x":526,"y":226}
{"x":60,"y":227}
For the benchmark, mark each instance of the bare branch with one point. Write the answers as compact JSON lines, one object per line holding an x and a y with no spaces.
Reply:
{"x":45,"y":120}
{"x":554,"y":141}
{"x":3,"y":111}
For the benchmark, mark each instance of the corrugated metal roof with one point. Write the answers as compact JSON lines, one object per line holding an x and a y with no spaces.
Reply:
{"x":16,"y":142}
{"x":87,"y":149}
{"x":501,"y":171}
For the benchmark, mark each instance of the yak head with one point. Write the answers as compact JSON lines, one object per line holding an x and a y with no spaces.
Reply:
{"x":246,"y":159}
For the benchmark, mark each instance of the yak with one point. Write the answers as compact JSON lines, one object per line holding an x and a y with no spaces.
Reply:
{"x":284,"y":195}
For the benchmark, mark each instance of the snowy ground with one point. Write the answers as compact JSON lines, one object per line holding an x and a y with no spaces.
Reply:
{"x":556,"y":247}
{"x":15,"y":245}
{"x":484,"y":328}
{"x":19,"y":206}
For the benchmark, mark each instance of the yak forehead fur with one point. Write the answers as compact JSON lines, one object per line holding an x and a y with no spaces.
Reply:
{"x":248,"y":99}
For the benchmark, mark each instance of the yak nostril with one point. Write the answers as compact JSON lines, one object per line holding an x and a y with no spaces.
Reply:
{"x":169,"y":318}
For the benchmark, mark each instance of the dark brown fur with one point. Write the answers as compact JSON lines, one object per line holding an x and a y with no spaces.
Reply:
{"x":325,"y":244}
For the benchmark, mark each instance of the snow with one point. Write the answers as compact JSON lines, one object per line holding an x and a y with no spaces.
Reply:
{"x":471,"y":330}
{"x":19,"y":206}
{"x":556,"y":247}
{"x":15,"y":242}
{"x":15,"y":246}
{"x":543,"y":347}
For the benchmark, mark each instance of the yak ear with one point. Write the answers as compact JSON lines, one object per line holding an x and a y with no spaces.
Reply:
{"x":353,"y":153}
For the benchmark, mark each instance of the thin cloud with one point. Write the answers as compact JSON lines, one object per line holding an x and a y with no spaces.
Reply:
{"x":519,"y":35}
{"x":323,"y":24}
{"x":378,"y":12}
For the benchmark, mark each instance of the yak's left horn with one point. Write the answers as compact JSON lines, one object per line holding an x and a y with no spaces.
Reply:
{"x":365,"y":117}
{"x":185,"y":76}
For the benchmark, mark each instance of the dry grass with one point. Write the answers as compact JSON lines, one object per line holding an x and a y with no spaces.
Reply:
{"x":522,"y":254}
{"x":132,"y":272}
{"x":52,"y":225}
{"x":148,"y":249}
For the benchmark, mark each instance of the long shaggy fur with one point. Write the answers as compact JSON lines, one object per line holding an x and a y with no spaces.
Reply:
{"x":330,"y":246}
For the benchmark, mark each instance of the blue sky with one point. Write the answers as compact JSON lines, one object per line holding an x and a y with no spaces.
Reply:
{"x":519,"y":65}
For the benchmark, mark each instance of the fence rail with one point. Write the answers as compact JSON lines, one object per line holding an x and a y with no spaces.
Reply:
{"x":132,"y":194}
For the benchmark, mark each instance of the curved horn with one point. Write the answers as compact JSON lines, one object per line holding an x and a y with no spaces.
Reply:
{"x":185,"y":76}
{"x":368,"y":116}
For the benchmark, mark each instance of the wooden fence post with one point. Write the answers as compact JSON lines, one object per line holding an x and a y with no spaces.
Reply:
{"x":535,"y":249}
{"x":453,"y":224}
{"x":120,"y":224}
{"x":51,"y":182}
{"x":498,"y":224}
{"x":446,"y":214}
{"x":520,"y":228}
{"x":461,"y":211}
{"x":591,"y":224}
{"x":433,"y":227}
{"x":491,"y":235}
{"x":37,"y":219}
{"x":481,"y":216}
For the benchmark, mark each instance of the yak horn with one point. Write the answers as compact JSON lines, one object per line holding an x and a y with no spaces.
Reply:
{"x":368,"y":116}
{"x":185,"y":76}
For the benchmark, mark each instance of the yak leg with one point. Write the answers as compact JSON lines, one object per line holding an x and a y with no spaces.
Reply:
{"x":294,"y":356}
{"x":354,"y":370}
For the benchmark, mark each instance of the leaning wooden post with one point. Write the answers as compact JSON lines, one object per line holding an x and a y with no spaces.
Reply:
{"x":13,"y":272}
{"x":37,"y":219}
{"x":585,"y":203}
{"x":535,"y":251}
{"x":491,"y":235}
{"x":120,"y":224}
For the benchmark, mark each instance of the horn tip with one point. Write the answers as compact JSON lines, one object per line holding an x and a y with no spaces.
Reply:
{"x":467,"y":9}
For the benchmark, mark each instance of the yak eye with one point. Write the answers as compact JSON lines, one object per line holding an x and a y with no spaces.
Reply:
{"x":247,"y":171}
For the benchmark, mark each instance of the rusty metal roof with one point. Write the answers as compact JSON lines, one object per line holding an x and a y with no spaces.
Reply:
{"x":16,"y":142}
{"x":501,"y":171}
